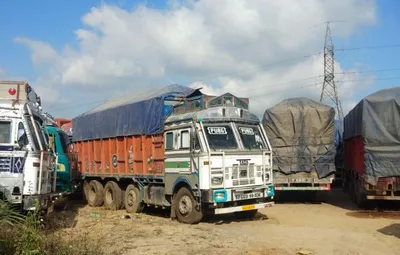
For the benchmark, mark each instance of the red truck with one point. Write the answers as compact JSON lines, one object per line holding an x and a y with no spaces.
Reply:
{"x":372,"y":148}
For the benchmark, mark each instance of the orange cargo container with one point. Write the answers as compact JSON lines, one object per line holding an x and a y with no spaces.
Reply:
{"x":122,"y":156}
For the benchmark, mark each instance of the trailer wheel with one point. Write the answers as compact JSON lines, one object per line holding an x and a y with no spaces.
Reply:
{"x":185,"y":207}
{"x":112,"y":196}
{"x":360,"y":196}
{"x":132,"y":200}
{"x":95,"y":193}
{"x":245,"y":215}
{"x":352,"y":189}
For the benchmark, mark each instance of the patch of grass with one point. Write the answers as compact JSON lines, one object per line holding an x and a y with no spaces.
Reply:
{"x":23,"y":235}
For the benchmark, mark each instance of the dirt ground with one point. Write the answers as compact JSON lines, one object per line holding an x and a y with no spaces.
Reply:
{"x":335,"y":227}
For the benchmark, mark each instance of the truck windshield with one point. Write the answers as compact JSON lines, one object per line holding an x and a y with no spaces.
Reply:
{"x":5,"y":132}
{"x":251,"y":137}
{"x":220,"y":137}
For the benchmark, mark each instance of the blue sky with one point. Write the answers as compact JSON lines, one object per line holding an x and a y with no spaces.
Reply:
{"x":55,"y":23}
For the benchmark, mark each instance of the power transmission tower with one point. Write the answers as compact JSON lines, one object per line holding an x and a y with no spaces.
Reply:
{"x":329,"y":89}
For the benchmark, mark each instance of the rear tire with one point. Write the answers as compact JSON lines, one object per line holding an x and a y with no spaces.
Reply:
{"x":360,"y":197}
{"x":95,"y":193}
{"x":185,"y":207}
{"x":132,"y":200}
{"x":112,"y":196}
{"x":245,"y":215}
{"x":85,"y":189}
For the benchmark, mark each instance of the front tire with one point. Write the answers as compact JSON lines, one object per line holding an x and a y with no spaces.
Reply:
{"x":245,"y":215}
{"x":185,"y":207}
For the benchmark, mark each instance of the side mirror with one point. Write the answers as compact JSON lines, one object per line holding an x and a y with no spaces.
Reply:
{"x":51,"y":141}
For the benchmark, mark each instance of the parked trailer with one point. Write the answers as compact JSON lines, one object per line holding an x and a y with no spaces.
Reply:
{"x":26,"y":165}
{"x":175,"y":148}
{"x":301,"y":132}
{"x":372,"y":147}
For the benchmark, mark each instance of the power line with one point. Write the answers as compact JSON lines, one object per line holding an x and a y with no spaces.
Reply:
{"x":319,"y":76}
{"x":279,"y":84}
{"x":369,"y":47}
{"x":316,"y":84}
{"x":253,"y":68}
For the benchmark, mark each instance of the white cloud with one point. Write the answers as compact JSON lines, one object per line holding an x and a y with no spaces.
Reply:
{"x":41,"y":52}
{"x":239,"y":45}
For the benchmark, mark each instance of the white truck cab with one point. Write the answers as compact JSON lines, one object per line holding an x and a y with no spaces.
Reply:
{"x":223,"y":153}
{"x":25,"y":162}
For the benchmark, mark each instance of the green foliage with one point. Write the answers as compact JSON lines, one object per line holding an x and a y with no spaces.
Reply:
{"x":22,"y":235}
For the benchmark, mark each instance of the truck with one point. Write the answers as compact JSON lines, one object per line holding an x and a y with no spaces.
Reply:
{"x":177,"y":148}
{"x":26,"y":164}
{"x":371,"y":148}
{"x":59,"y":142}
{"x":301,"y":132}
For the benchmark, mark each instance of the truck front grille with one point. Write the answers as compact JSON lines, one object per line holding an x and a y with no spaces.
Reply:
{"x":245,"y":174}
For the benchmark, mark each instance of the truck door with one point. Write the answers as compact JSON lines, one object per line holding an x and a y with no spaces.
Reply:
{"x":178,"y":151}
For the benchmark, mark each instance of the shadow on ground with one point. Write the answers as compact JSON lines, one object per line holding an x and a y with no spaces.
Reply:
{"x":391,"y":230}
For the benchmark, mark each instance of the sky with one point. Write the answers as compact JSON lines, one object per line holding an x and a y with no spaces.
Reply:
{"x":77,"y":54}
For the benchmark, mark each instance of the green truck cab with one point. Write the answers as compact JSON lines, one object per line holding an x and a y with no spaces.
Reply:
{"x":58,"y":142}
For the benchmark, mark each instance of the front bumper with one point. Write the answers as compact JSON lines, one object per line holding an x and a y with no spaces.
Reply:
{"x":243,"y":208}
{"x":237,"y":194}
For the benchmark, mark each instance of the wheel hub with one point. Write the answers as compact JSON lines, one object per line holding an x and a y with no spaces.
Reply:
{"x":185,"y":205}
{"x":131,"y":198}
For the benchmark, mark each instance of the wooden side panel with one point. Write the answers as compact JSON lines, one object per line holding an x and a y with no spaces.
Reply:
{"x":130,"y":155}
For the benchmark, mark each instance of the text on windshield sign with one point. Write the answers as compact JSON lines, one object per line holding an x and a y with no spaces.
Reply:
{"x":217,"y":130}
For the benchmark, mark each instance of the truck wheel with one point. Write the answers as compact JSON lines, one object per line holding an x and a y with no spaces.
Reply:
{"x":85,"y":190}
{"x":352,"y":189}
{"x":112,"y":196}
{"x":132,"y":200}
{"x":185,"y":207}
{"x":95,"y":193}
{"x":360,"y":196}
{"x":245,"y":215}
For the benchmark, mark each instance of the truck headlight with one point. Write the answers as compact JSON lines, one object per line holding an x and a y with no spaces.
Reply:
{"x":216,"y":181}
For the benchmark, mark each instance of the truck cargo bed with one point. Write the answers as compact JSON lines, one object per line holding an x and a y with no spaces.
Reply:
{"x":121,"y":156}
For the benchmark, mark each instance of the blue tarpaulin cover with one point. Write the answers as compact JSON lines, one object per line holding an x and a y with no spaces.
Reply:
{"x":140,"y":113}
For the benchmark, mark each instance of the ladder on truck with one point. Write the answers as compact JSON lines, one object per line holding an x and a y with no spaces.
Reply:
{"x":48,"y":173}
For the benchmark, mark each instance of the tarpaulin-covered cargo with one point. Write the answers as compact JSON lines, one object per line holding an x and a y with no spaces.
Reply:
{"x":138,"y":114}
{"x":339,"y":159}
{"x":372,"y":135}
{"x":302,"y":134}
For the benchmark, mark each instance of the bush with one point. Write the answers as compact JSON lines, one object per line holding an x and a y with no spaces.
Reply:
{"x":24,"y":235}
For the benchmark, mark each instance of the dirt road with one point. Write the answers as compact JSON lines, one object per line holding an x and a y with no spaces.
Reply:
{"x":290,"y":228}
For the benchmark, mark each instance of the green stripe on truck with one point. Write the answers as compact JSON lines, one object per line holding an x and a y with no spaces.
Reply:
{"x":182,"y":164}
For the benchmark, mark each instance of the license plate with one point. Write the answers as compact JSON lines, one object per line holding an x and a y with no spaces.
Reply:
{"x":248,"y":207}
{"x":243,"y":196}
